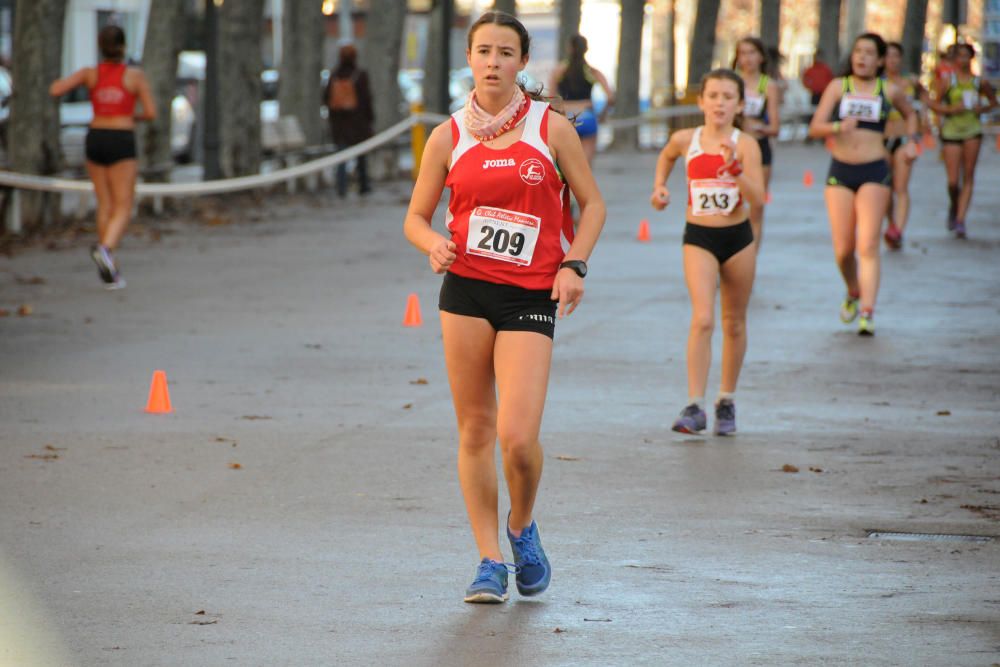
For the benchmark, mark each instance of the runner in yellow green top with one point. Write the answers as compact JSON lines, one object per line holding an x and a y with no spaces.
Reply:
{"x":901,"y":162}
{"x":960,"y":99}
{"x":760,"y":112}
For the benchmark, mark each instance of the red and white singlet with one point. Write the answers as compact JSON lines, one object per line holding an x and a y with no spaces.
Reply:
{"x":509,"y":208}
{"x":708,"y":192}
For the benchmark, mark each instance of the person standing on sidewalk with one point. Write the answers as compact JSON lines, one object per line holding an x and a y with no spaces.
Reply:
{"x":900,"y":163}
{"x":350,"y":113}
{"x":816,"y":78}
{"x":854,"y":110}
{"x":512,"y":265}
{"x":760,"y":112}
{"x":960,"y":99}
{"x":724,"y":174}
{"x":110,"y":144}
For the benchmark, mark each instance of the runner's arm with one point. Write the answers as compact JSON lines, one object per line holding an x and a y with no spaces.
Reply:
{"x":986,"y":90}
{"x":426,"y":195}
{"x":751,"y":180}
{"x":820,"y":126}
{"x":665,"y":164}
{"x":564,"y":143}
{"x":62,"y":86}
{"x":773,"y":111}
{"x":145,"y":97}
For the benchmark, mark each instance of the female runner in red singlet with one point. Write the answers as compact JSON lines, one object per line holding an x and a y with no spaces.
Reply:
{"x":724,"y":172}
{"x":509,"y":256}
{"x":110,"y":148}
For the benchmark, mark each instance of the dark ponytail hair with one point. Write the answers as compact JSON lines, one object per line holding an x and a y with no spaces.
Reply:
{"x":497,"y":17}
{"x":755,"y":43}
{"x":111,"y":43}
{"x":880,"y":47}
{"x":723,"y":74}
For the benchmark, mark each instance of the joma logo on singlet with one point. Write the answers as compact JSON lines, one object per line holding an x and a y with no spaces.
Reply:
{"x":488,"y":164}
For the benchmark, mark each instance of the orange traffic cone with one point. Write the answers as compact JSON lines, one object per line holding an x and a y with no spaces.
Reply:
{"x":412,"y":317}
{"x":643,"y":234}
{"x":807,"y":178}
{"x":159,"y":397}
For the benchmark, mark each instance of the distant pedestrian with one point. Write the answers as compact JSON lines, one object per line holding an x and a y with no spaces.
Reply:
{"x":817,"y":77}
{"x":110,"y":145}
{"x":724,"y":174}
{"x":854,"y":111}
{"x":959,"y":100}
{"x":348,"y":99}
{"x":513,"y":265}
{"x":574,"y":80}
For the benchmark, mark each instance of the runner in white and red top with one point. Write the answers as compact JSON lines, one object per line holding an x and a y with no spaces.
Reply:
{"x":724,"y":172}
{"x":512,"y":265}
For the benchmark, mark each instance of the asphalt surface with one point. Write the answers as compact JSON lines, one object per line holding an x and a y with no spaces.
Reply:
{"x":300,"y":505}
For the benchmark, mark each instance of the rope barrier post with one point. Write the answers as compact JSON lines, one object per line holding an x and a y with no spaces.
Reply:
{"x":418,"y":137}
{"x":14,"y":212}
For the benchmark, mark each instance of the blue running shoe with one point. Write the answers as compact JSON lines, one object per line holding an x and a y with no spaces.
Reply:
{"x":692,"y":420}
{"x":725,"y":417}
{"x":533,"y":572}
{"x":490,"y":584}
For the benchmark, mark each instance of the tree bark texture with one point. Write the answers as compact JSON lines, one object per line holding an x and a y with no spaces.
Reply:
{"x":159,"y":62}
{"x":509,"y":6}
{"x":240,"y":63}
{"x":381,"y":58}
{"x":770,"y":22}
{"x":33,"y":131}
{"x":829,"y":32}
{"x":913,"y":35}
{"x":569,"y":23}
{"x":433,"y":61}
{"x":702,"y":43}
{"x":300,"y":94}
{"x":627,"y":77}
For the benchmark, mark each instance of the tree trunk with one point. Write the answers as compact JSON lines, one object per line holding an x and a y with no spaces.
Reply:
{"x":159,"y":62}
{"x":913,"y":35}
{"x":770,"y":22}
{"x":702,"y":43}
{"x":33,"y":132}
{"x":569,"y":24}
{"x":829,"y":32}
{"x":303,"y":29}
{"x":240,"y":63}
{"x":627,"y":79}
{"x":382,"y":48}
{"x":856,"y":10}
{"x":509,"y":6}
{"x":434,"y":81}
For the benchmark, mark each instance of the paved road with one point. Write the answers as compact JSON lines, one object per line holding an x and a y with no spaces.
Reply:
{"x":341,"y":538}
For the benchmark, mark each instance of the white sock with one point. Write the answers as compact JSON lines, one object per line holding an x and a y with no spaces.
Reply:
{"x":697,"y":400}
{"x":730,"y":395}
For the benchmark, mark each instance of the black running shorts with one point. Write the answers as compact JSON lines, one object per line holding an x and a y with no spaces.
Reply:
{"x":505,"y":307}
{"x":105,"y":147}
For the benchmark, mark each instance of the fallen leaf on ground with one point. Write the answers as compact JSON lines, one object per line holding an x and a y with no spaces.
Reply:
{"x":408,"y":406}
{"x":254,"y":417}
{"x":815,"y":469}
{"x":33,"y":280}
{"x":220,"y":438}
{"x":419,"y":381}
{"x":200,"y":612}
{"x":4,"y":312}
{"x":43,"y":457}
{"x":788,"y":467}
{"x":235,"y":466}
{"x":314,"y":346}
{"x":567,"y":458}
{"x":25,"y":310}
{"x":944,"y":413}
{"x":597,"y":620}
{"x":209,"y":622}
{"x":558,"y":630}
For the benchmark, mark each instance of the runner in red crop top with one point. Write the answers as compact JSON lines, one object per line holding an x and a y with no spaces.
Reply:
{"x":723,"y":171}
{"x":110,"y":144}
{"x":509,"y":255}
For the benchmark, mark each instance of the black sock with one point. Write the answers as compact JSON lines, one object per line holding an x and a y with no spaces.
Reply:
{"x":953,"y":199}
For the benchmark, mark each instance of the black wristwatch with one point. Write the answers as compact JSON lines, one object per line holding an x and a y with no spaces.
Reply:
{"x":578,"y":265}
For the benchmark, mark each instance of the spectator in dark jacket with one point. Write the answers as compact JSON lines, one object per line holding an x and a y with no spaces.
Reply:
{"x":348,"y":99}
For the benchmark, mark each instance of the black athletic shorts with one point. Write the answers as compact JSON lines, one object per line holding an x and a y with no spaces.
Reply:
{"x":723,"y":242}
{"x":853,"y":176}
{"x":505,"y":307}
{"x":105,"y":147}
{"x":959,"y":142}
{"x":765,"y":151}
